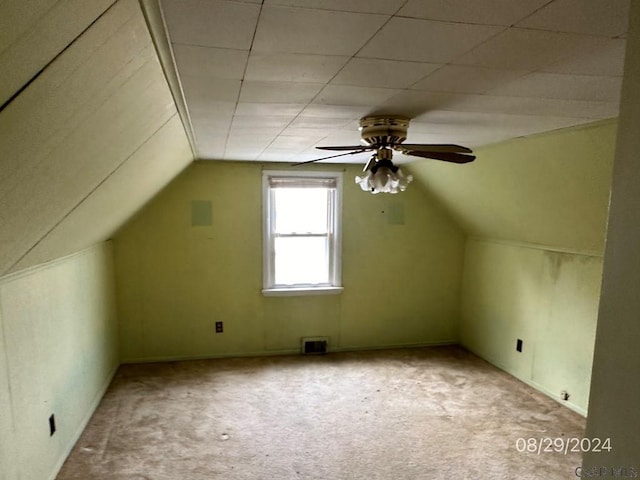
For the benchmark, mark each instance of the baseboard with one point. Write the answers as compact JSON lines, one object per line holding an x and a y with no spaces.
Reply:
{"x":390,"y":346}
{"x":209,"y":356}
{"x":565,"y":403}
{"x":272,"y":353}
{"x":83,"y":423}
{"x":570,"y":405}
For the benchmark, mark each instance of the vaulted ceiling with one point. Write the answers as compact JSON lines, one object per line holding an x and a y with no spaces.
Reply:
{"x":270,"y":80}
{"x":88,"y":128}
{"x":102,"y":103}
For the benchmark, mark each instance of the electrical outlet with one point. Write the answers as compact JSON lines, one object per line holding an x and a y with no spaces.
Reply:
{"x":519,"y":345}
{"x":219,"y":328}
{"x":52,"y":425}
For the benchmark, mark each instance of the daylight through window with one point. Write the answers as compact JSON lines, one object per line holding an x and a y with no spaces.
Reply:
{"x":302,"y":234}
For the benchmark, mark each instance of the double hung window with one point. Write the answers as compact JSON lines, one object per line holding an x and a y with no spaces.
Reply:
{"x":301,"y":232}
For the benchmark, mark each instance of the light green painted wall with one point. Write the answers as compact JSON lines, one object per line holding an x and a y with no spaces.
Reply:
{"x":535,"y":211}
{"x":8,"y":451}
{"x":548,"y":299}
{"x":402,"y":282}
{"x":59,"y":351}
{"x":550,"y":189}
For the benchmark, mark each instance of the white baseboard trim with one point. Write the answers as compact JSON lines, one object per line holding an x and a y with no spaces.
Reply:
{"x":390,"y":346}
{"x":272,"y":353}
{"x":208,"y":356}
{"x":570,"y":405}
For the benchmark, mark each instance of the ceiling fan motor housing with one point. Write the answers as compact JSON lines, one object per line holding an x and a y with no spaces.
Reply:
{"x":385,"y":130}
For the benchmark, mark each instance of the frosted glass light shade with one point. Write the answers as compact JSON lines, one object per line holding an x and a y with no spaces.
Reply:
{"x":384,"y":180}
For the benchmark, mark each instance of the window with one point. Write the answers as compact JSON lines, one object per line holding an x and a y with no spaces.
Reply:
{"x":301,"y":232}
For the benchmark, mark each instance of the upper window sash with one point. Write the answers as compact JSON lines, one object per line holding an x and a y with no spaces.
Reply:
{"x":291,"y":181}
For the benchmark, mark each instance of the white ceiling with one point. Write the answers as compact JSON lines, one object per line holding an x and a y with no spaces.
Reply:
{"x":269,"y":80}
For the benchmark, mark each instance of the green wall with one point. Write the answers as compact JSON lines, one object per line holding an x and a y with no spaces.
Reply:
{"x":534,"y":210}
{"x":174,"y":280}
{"x":550,"y":189}
{"x":547,"y":299}
{"x":59,"y":351}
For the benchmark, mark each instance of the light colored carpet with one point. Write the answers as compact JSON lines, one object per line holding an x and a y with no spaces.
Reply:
{"x":431,"y":413}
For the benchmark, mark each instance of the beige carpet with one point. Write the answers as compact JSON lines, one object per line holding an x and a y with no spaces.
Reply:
{"x":432,"y":413}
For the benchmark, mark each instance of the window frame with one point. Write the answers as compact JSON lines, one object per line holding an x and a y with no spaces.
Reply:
{"x":270,"y":288}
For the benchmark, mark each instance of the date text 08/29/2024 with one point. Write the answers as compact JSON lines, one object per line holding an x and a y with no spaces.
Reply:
{"x":562,"y":445}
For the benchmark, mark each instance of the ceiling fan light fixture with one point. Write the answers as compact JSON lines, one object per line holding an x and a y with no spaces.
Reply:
{"x":384,"y":129}
{"x":383,"y":134}
{"x":384,"y":177}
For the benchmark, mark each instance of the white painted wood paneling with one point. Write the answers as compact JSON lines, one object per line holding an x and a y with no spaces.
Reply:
{"x":163,"y":156}
{"x":32,"y":33}
{"x":73,"y":127}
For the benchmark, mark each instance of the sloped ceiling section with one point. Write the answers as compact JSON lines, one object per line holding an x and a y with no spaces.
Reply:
{"x":549,"y":190}
{"x":92,"y":137}
{"x":34,"y":32}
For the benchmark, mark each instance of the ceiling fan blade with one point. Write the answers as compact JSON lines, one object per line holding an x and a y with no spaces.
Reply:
{"x":330,"y":156}
{"x":445,"y":156}
{"x":356,"y":147}
{"x":425,"y":147}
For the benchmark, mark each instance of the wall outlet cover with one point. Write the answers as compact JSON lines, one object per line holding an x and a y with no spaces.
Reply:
{"x":52,"y":424}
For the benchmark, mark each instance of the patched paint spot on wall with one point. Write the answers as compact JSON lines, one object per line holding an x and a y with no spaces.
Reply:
{"x":201,"y":213}
{"x":396,"y":213}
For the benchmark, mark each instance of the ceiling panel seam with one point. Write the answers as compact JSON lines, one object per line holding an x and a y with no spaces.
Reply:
{"x":452,"y":93}
{"x":390,"y":16}
{"x":32,"y":79}
{"x":545,"y":5}
{"x":244,"y":73}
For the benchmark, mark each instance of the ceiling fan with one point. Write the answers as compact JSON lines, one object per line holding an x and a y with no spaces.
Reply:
{"x":383,"y":134}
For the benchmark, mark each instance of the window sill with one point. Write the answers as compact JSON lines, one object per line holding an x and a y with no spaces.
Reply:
{"x":289,"y":292}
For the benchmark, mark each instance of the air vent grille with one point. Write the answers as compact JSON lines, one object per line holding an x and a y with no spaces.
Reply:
{"x":314,"y":345}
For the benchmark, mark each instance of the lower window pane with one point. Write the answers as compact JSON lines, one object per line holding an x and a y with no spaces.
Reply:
{"x":301,"y":260}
